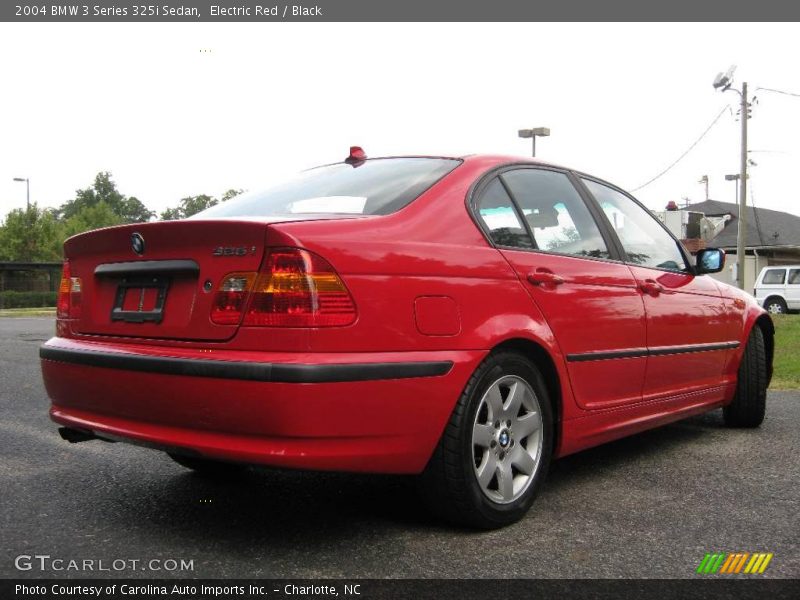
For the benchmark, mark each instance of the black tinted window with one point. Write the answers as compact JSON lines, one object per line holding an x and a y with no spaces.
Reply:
{"x":774,"y":276}
{"x":556,"y":213}
{"x":374,"y":187}
{"x":500,"y":219}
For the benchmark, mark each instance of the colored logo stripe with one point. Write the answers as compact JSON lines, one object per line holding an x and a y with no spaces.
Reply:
{"x":734,"y":562}
{"x":728,"y":562}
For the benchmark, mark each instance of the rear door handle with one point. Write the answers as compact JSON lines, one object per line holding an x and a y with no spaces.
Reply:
{"x":544,"y":277}
{"x":651,"y":287}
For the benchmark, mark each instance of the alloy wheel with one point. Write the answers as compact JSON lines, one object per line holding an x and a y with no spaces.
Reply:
{"x":507,"y":439}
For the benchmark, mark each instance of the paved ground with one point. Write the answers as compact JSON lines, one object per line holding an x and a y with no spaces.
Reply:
{"x":647,"y":506}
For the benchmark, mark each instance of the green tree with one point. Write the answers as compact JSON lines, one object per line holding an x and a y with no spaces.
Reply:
{"x":134,"y":211}
{"x":88,"y":218}
{"x":191,"y":205}
{"x":129,"y":210}
{"x":29,"y":235}
{"x":231,"y":193}
{"x":38,"y":234}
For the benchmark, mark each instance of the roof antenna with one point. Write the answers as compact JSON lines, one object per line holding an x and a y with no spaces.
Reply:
{"x":357,"y":156}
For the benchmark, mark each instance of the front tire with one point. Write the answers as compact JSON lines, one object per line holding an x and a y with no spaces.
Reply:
{"x":750,"y":402}
{"x":494,"y":454}
{"x":776,"y":306}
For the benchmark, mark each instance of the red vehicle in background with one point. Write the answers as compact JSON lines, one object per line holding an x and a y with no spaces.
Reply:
{"x":464,"y":319}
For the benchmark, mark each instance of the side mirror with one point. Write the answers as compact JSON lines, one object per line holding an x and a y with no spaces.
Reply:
{"x":709,"y":260}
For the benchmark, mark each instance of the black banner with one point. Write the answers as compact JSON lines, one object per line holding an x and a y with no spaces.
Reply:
{"x":505,"y":589}
{"x":190,"y":11}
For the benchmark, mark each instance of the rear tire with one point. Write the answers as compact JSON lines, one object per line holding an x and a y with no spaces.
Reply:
{"x":750,"y":402}
{"x":776,"y":306}
{"x":207,"y":466}
{"x":484,"y":472}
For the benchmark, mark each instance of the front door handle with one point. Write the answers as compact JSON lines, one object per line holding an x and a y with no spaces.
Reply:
{"x":544,"y":277}
{"x":651,"y":287}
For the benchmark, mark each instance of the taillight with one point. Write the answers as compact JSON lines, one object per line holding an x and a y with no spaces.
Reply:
{"x":68,"y":305}
{"x":297,"y":288}
{"x":231,"y":297}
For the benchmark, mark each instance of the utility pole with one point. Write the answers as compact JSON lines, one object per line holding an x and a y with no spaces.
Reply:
{"x":723,"y":82}
{"x":741,"y":246}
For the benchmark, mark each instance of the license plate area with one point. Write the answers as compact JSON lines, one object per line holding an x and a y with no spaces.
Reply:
{"x":140,"y":299}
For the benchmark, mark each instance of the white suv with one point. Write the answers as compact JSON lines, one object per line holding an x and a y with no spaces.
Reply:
{"x":778,"y":288}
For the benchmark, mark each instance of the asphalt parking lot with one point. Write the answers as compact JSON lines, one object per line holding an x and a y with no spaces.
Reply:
{"x":648,"y":506}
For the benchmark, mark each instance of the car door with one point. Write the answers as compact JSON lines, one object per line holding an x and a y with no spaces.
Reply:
{"x":793,"y":289}
{"x":689,"y":330}
{"x":540,"y":222}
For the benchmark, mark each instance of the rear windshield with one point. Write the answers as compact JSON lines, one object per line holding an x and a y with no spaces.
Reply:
{"x":374,"y":187}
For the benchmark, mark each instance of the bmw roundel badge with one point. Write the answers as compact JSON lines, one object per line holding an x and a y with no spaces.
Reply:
{"x":137,"y":243}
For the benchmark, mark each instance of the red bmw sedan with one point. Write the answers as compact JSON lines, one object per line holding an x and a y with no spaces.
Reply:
{"x":464,"y":319}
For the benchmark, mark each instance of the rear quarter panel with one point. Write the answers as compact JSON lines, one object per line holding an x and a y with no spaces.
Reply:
{"x":430,"y":248}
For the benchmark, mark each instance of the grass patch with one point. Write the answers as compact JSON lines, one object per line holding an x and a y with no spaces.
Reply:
{"x":787,"y":353}
{"x":28,"y":312}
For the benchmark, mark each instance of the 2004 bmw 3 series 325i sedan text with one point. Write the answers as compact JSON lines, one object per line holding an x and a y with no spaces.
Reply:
{"x":464,"y":319}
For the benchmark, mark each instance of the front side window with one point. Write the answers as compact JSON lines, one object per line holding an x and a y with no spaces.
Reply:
{"x":378,"y":186}
{"x":555,"y":212}
{"x":794,"y":276}
{"x":645,"y":241}
{"x":774,"y":277}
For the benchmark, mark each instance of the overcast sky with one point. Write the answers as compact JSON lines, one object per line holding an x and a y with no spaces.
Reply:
{"x":182,"y":109}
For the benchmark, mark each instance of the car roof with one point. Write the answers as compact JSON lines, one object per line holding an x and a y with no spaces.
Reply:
{"x":504,"y":159}
{"x":486,"y":159}
{"x":488,"y":162}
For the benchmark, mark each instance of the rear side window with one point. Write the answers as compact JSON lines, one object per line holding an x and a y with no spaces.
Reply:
{"x":500,"y":218}
{"x":374,"y":187}
{"x":794,"y":277}
{"x":555,"y":212}
{"x":774,"y":277}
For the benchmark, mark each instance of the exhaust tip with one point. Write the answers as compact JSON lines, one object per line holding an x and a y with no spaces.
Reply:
{"x":73,"y":436}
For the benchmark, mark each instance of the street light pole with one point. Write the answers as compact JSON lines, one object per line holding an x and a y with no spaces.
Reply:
{"x":734,"y":177}
{"x":704,"y":180}
{"x":533,"y":134}
{"x":27,"y":190}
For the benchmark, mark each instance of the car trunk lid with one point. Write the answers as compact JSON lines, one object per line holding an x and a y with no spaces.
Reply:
{"x":158,"y":280}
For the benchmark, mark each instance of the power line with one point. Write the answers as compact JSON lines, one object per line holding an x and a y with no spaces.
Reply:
{"x":755,"y":213}
{"x":778,"y":92}
{"x":689,"y":149}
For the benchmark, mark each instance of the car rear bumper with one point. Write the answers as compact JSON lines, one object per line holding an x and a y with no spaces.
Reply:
{"x":370,"y":412}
